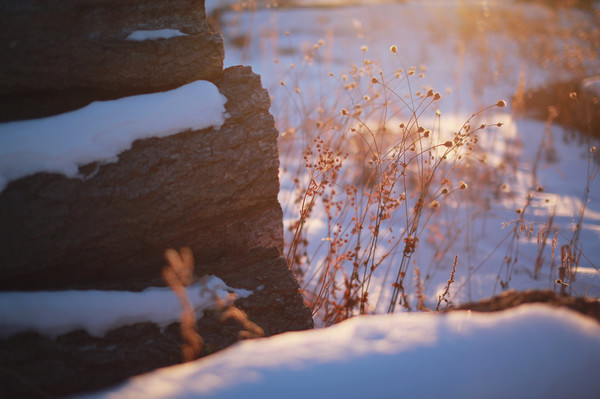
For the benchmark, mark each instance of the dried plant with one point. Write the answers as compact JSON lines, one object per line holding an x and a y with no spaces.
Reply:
{"x":381,"y":176}
{"x":420,"y":291}
{"x":249,"y":329}
{"x":444,"y":295}
{"x":178,"y":275}
{"x":378,"y":186}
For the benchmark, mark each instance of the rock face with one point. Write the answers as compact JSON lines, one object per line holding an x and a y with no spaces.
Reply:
{"x":213,"y":190}
{"x":65,"y":54}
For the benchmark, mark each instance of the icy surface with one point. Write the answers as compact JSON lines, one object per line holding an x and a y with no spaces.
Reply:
{"x":103,"y":129}
{"x":140,"y":35}
{"x":57,"y":312}
{"x":534,"y":351}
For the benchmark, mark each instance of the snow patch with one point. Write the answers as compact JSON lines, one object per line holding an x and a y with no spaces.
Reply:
{"x":141,"y":35}
{"x":534,"y":351}
{"x":97,"y":312}
{"x":103,"y":129}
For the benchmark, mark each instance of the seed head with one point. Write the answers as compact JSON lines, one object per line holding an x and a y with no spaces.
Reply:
{"x":430,"y":93}
{"x":445,"y":190}
{"x":501,"y":104}
{"x":573,"y":95}
{"x":434,"y":204}
{"x":374,"y":80}
{"x":437,"y":96}
{"x":462,"y":185}
{"x":394,"y":49}
{"x":593,"y":149}
{"x":448,"y":144}
{"x":344,"y":111}
{"x":363,"y":48}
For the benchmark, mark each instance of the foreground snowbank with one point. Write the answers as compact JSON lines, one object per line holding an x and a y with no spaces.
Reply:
{"x":103,"y":129}
{"x":97,"y":312}
{"x":533,"y":351}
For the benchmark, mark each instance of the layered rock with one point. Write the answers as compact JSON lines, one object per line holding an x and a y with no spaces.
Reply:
{"x":65,"y":54}
{"x":213,"y":190}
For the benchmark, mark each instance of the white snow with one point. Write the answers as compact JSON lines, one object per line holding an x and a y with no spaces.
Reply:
{"x":97,"y":312}
{"x":534,"y":351}
{"x":471,"y":69}
{"x":103,"y":129}
{"x":140,"y":35}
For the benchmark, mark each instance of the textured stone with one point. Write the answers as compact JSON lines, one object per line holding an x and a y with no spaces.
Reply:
{"x":212,"y":190}
{"x":61,"y":55}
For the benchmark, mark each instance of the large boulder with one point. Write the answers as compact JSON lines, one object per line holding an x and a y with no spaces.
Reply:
{"x":213,"y":190}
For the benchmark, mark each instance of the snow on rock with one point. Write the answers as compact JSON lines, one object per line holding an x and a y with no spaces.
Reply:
{"x":103,"y":129}
{"x":57,"y":312}
{"x":533,"y":351}
{"x":140,"y":35}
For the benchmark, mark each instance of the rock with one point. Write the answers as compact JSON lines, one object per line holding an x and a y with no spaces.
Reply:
{"x":77,"y":362}
{"x":48,"y":66}
{"x":213,"y":190}
{"x":512,"y":298}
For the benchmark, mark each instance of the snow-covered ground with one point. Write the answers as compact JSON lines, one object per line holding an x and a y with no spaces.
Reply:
{"x":534,"y":351}
{"x":470,"y":52}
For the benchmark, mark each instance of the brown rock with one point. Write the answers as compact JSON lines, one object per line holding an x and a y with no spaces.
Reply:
{"x":512,"y":298}
{"x":214,"y":190}
{"x":58,"y":56}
